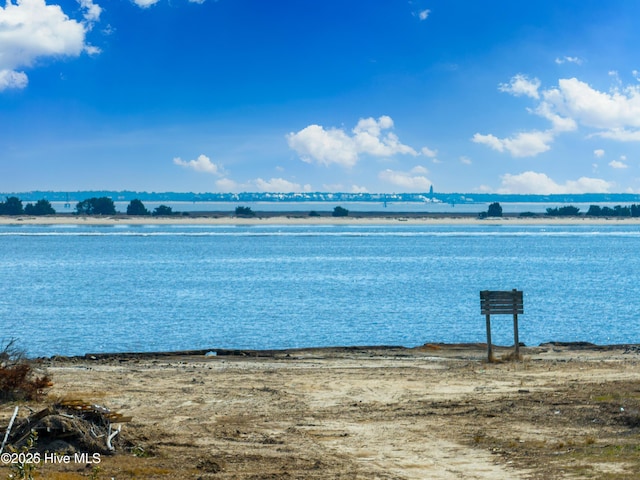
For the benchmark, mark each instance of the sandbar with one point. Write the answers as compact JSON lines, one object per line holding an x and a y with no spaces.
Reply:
{"x":303,"y":219}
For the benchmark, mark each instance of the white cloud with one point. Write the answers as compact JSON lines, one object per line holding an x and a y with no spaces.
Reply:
{"x":93,"y":11}
{"x":201,"y":164}
{"x":620,"y":134}
{"x":150,"y":3}
{"x":358,"y":189}
{"x":427,"y":152}
{"x":408,"y":181}
{"x":31,"y":29}
{"x":280,"y":185}
{"x":599,"y":153}
{"x":328,"y":146}
{"x":91,"y":50}
{"x":11,"y":79}
{"x":539,"y":183}
{"x":521,"y":85}
{"x":324,"y":146}
{"x":559,"y":123}
{"x":525,"y":144}
{"x":273,"y":185}
{"x":338,"y":187}
{"x":424,"y":14}
{"x":617,"y":164}
{"x":369,"y":140}
{"x":489,"y":140}
{"x":573,"y":103}
{"x":617,"y":109}
{"x":419,"y":169}
{"x":145,"y":3}
{"x":465,"y":160}
{"x":227,"y":185}
{"x":566,"y":59}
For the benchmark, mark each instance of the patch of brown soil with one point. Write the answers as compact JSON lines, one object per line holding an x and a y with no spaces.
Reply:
{"x":437,"y":411}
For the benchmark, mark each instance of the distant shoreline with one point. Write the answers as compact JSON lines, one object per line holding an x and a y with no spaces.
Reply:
{"x":302,"y":218}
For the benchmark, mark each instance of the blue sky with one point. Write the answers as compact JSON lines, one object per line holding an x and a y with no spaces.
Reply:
{"x":300,"y":95}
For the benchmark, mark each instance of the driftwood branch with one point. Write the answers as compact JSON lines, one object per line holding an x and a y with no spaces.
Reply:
{"x":112,"y":436}
{"x":6,"y":435}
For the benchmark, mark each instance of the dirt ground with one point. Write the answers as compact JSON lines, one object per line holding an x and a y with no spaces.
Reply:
{"x":433,"y":412}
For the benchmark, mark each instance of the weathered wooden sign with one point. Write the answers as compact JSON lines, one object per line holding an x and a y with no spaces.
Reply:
{"x":509,"y":302}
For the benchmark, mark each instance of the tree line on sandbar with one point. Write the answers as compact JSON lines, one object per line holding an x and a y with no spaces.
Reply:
{"x":495,"y":210}
{"x":90,"y":206}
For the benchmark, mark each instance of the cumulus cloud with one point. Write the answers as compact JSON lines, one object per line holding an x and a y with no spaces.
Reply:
{"x":11,"y":79}
{"x":358,"y":189}
{"x":150,"y":3}
{"x":525,"y":144}
{"x":620,"y":134}
{"x":571,"y":104}
{"x":201,"y":164}
{"x":145,"y":3}
{"x":414,"y":180}
{"x":599,"y":153}
{"x":427,"y":152}
{"x":31,"y":29}
{"x":617,"y":109}
{"x":617,"y":164}
{"x":539,"y":183}
{"x":314,"y":143}
{"x":567,"y":59}
{"x":273,"y":185}
{"x":424,"y":14}
{"x":521,"y":85}
{"x":280,"y":185}
{"x":558,"y":122}
{"x":335,"y":146}
{"x":92,"y":11}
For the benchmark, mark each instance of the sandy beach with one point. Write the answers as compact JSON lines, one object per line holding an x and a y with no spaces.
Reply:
{"x":432,"y":412}
{"x":298,"y":218}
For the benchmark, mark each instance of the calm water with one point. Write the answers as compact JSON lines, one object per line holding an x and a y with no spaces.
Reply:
{"x":76,"y":289}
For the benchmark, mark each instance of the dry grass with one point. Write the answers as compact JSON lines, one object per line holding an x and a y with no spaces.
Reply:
{"x":18,"y":381}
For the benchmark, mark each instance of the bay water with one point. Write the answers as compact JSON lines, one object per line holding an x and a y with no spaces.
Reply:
{"x":74,"y":289}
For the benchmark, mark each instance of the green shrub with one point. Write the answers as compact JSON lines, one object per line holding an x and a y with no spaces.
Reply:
{"x":136,"y":207}
{"x":340,"y":212}
{"x":244,"y":212}
{"x":162,"y":211}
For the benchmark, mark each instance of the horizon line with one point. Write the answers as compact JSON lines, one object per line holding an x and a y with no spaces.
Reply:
{"x":318,"y":192}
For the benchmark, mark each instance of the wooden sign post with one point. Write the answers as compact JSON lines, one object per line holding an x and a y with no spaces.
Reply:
{"x":501,"y":303}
